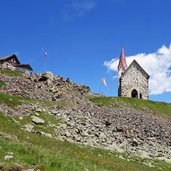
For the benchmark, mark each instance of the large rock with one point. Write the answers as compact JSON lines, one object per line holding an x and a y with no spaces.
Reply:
{"x":8,"y":157}
{"x":37,"y":120}
{"x":47,"y":75}
{"x":29,"y":127}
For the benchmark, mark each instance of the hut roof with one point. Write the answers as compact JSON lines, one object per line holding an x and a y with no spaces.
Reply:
{"x":5,"y":58}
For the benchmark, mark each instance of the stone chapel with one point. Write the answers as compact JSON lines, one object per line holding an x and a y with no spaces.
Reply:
{"x":132,"y":79}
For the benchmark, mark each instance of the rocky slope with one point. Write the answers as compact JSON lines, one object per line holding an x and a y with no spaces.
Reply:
{"x":42,"y":87}
{"x":139,"y":133}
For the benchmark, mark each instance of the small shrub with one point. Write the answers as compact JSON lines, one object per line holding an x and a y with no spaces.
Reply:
{"x":2,"y":168}
{"x":2,"y":84}
{"x":16,"y":168}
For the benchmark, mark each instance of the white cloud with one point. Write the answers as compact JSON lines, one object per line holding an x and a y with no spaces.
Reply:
{"x":83,"y":5}
{"x":78,"y":8}
{"x":157,"y":65}
{"x":118,"y":1}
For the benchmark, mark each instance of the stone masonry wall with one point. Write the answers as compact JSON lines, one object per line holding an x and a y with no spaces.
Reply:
{"x":134,"y":79}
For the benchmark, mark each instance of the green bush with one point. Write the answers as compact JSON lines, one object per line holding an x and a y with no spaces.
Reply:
{"x":2,"y":84}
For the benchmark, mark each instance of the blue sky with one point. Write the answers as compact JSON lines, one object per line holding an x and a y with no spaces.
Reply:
{"x":80,"y":36}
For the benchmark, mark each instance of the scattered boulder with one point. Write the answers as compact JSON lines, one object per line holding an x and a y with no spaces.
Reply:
{"x":29,"y":127}
{"x":43,"y":134}
{"x":46,"y":76}
{"x":8,"y":157}
{"x":20,"y":118}
{"x":37,"y":120}
{"x":38,"y":110}
{"x":86,"y":169}
{"x":134,"y":143}
{"x":119,"y":129}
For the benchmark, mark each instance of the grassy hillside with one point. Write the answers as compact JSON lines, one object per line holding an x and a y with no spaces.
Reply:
{"x":158,"y":108}
{"x":32,"y":150}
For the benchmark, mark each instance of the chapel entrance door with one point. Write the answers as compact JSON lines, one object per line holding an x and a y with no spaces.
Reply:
{"x":134,"y":94}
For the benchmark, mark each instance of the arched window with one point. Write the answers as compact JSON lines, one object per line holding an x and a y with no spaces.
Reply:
{"x":134,"y":94}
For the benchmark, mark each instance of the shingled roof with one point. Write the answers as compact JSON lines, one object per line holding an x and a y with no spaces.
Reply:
{"x":9,"y":57}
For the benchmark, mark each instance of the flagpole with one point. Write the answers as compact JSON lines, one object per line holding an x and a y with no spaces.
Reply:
{"x":45,"y":66}
{"x":45,"y":61}
{"x":100,"y":89}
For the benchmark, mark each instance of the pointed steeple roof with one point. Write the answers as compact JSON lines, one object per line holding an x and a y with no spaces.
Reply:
{"x":122,"y":62}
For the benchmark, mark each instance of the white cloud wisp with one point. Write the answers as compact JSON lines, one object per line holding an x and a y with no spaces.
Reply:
{"x":157,"y":65}
{"x":78,"y":8}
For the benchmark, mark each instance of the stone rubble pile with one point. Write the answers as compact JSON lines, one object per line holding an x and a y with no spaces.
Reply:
{"x":42,"y":87}
{"x":124,"y":130}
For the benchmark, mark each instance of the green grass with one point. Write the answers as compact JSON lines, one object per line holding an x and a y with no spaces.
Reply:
{"x":2,"y":84}
{"x":34,"y":151}
{"x":11,"y":101}
{"x":14,"y":101}
{"x":50,"y":124}
{"x":11,"y":73}
{"x":158,"y":108}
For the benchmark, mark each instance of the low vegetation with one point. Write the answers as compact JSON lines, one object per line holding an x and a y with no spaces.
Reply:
{"x":2,"y":84}
{"x":11,"y":73}
{"x":14,"y":101}
{"x":10,"y":101}
{"x":158,"y":108}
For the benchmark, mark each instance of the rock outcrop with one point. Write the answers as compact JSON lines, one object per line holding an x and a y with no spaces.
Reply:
{"x":42,"y":87}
